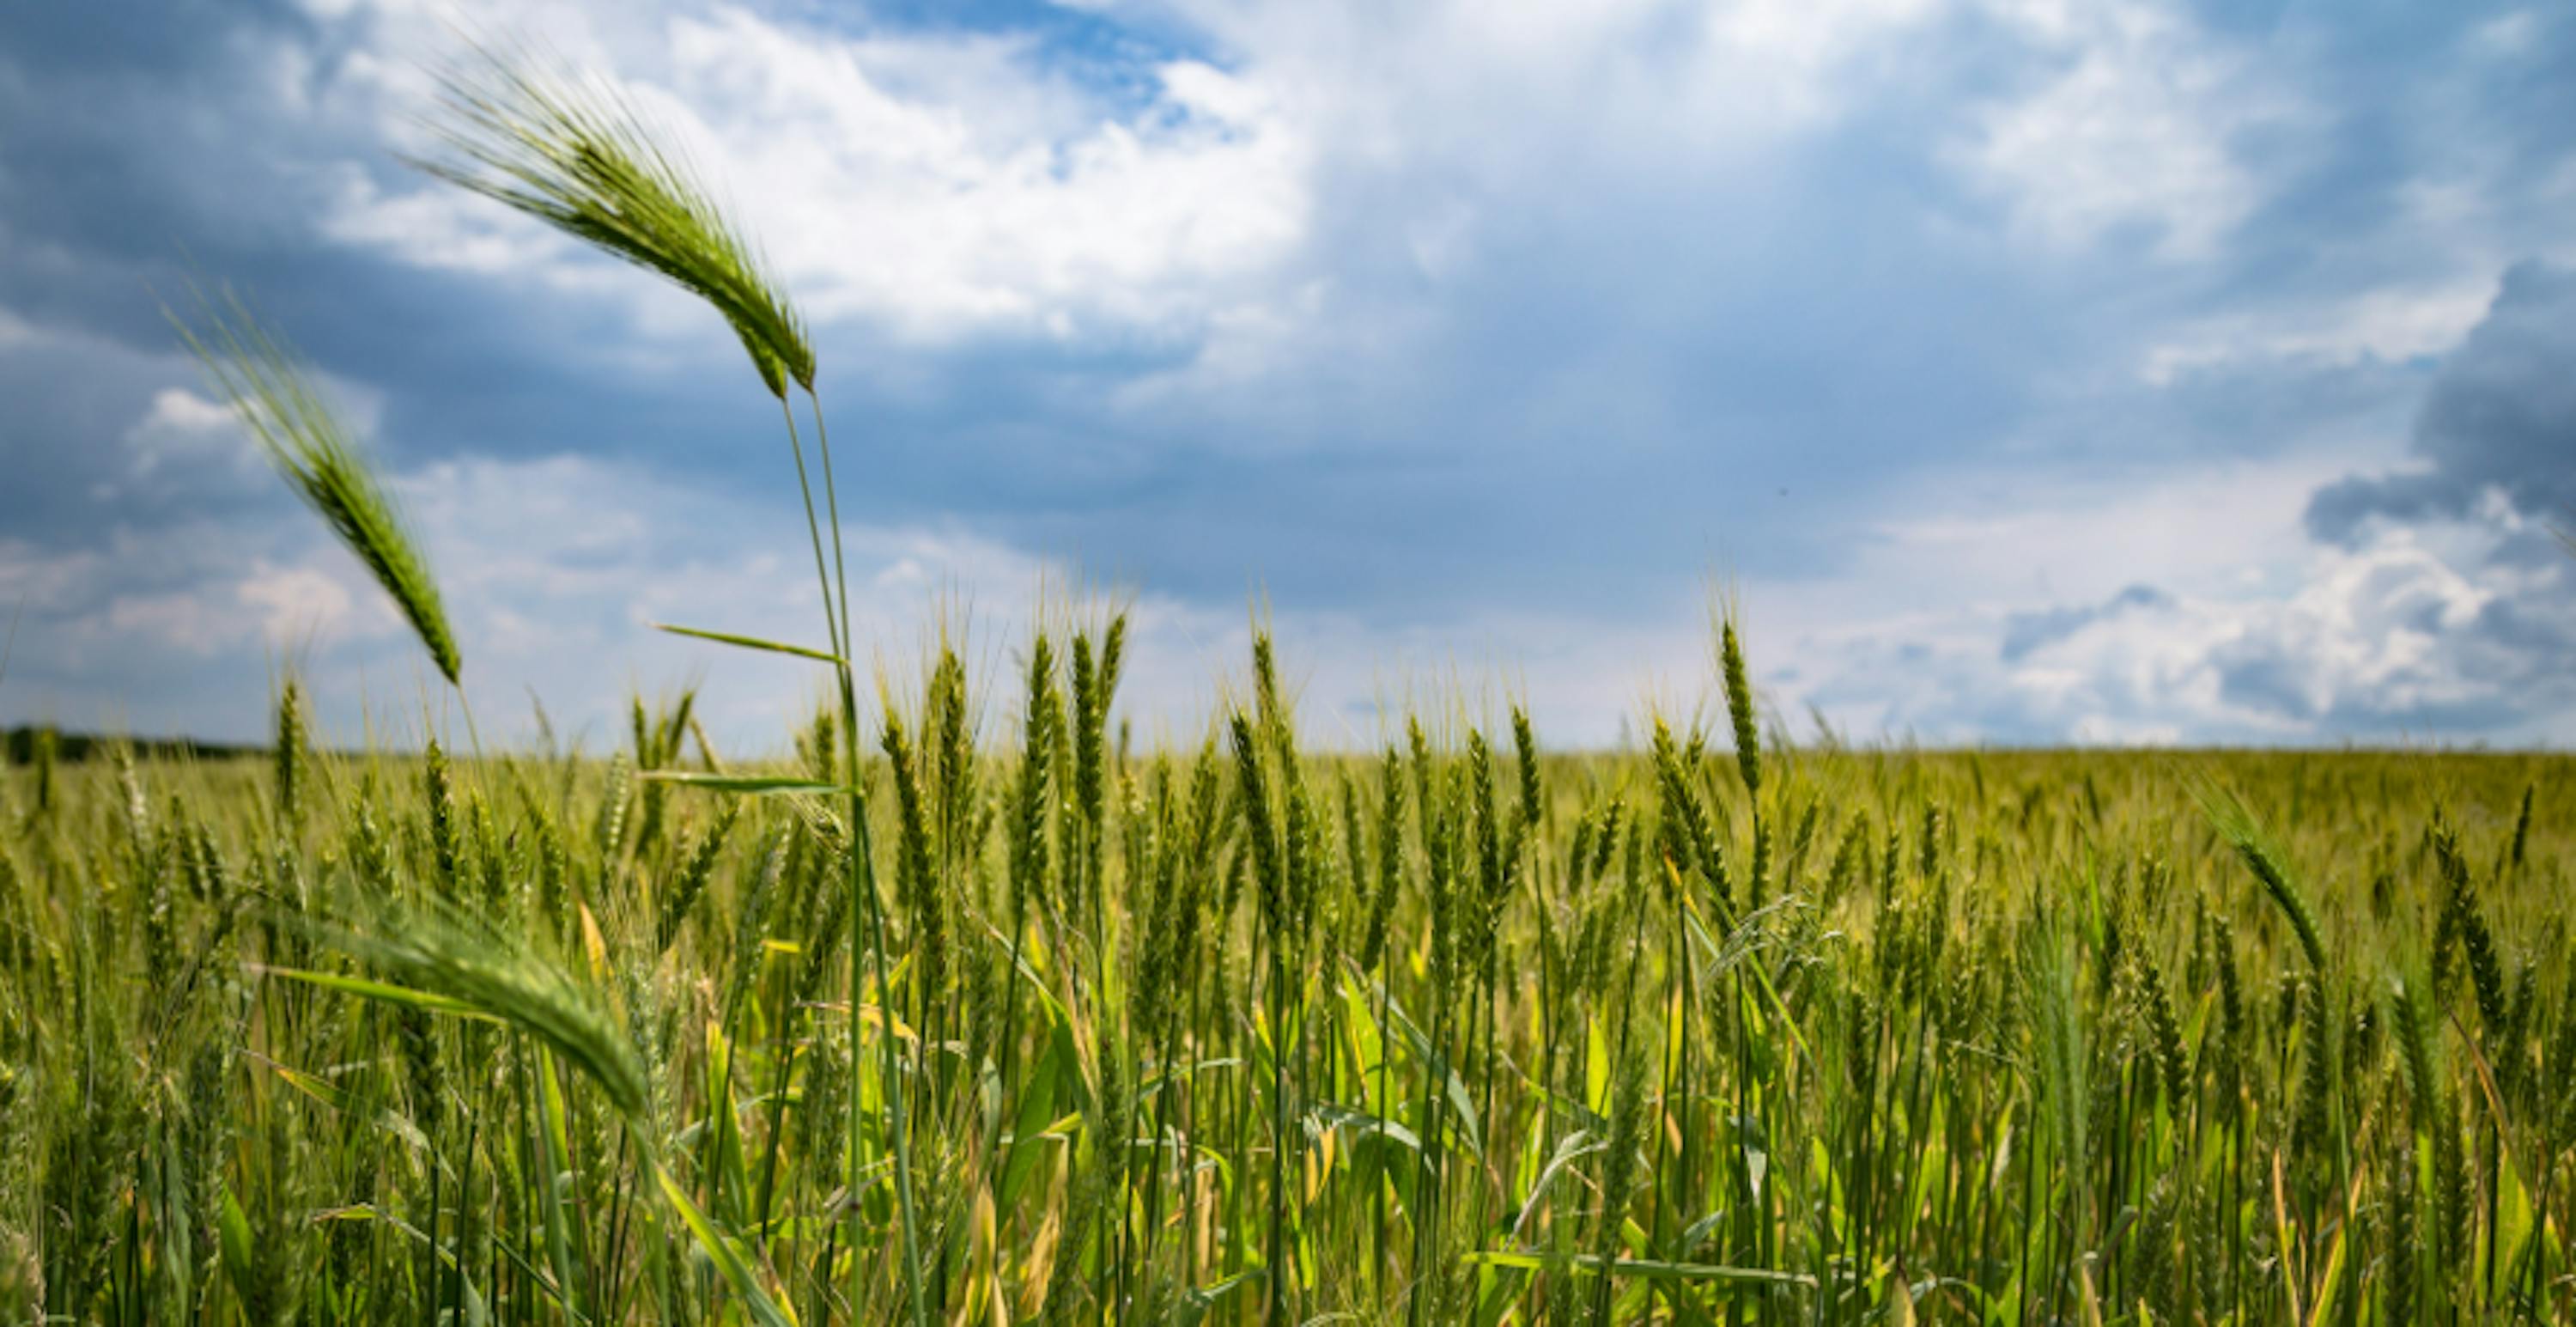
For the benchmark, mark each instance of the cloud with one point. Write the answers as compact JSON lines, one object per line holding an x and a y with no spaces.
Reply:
{"x":2391,"y":324}
{"x":2390,"y":642}
{"x":2025,"y":632}
{"x":938,"y":187}
{"x":183,"y":429}
{"x":2249,"y":630}
{"x":2139,"y":127}
{"x":599,"y":552}
{"x":179,"y":412}
{"x":2499,"y":423}
{"x":2430,"y":602}
{"x":302,"y":603}
{"x":1995,"y":348}
{"x":556,"y":571}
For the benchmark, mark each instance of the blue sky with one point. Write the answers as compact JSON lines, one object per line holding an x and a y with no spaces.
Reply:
{"x":2029,"y":370}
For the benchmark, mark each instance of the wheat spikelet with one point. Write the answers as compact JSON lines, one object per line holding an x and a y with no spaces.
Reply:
{"x":1260,"y":823}
{"x":2166,"y":1032}
{"x":696,"y":869}
{"x":1390,"y":858}
{"x":2405,"y":1233}
{"x":289,"y":757}
{"x":916,"y":878}
{"x":1739,"y":707}
{"x":2463,"y":921}
{"x":438,"y":790}
{"x":473,"y":967}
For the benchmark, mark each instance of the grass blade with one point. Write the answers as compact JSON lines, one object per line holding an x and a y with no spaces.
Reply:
{"x":750,"y":642}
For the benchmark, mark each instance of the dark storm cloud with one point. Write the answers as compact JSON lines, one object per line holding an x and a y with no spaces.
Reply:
{"x":2501,"y":418}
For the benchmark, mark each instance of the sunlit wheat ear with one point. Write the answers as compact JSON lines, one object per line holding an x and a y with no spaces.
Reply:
{"x":577,"y":155}
{"x":313,"y":448}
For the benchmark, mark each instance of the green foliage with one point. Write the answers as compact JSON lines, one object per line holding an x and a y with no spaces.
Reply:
{"x":625,"y":1087}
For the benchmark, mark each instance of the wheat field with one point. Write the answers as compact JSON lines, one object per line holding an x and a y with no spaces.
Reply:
{"x":954,"y":1007}
{"x":1462,"y":1032}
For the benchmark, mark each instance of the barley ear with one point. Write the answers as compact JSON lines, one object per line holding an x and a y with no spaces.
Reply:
{"x":313,"y":449}
{"x":577,"y":155}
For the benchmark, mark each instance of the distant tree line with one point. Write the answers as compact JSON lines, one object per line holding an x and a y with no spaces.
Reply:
{"x":21,"y":742}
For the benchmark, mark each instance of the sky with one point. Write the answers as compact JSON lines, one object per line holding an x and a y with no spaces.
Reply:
{"x":2024,"y":371}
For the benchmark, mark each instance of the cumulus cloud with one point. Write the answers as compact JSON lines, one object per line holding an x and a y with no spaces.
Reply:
{"x":303,"y":603}
{"x":599,"y":552}
{"x":939,"y":187}
{"x":2389,"y":642}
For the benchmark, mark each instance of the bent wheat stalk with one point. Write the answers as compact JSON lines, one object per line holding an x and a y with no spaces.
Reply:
{"x":578,"y":155}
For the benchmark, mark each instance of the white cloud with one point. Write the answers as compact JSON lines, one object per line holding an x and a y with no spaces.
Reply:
{"x":2138,"y":127}
{"x":917,"y":211}
{"x":197,"y":587}
{"x":181,"y":428}
{"x":937,"y":187}
{"x":183,"y":444}
{"x":950,"y":185}
{"x":15,"y":331}
{"x":1503,"y":94}
{"x":2507,"y":36}
{"x":1447,"y":139}
{"x":2391,"y":325}
{"x":436,"y":228}
{"x":176,"y":620}
{"x":304,"y":604}
{"x":37,"y":580}
{"x":2191,"y":608}
{"x":176,"y":410}
{"x":556,"y":569}
{"x":2375,"y":642}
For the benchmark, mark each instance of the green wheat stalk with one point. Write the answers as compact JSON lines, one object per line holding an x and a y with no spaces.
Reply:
{"x":579,"y":156}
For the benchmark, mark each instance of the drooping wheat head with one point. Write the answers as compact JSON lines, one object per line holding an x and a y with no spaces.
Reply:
{"x":579,"y":155}
{"x":287,"y":413}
